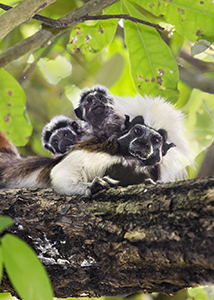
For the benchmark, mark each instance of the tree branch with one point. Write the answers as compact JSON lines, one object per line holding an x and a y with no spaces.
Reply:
{"x":66,"y":23}
{"x":21,"y":13}
{"x":194,"y":78}
{"x":202,"y":66}
{"x":151,"y":238}
{"x":207,"y":166}
{"x":45,"y":35}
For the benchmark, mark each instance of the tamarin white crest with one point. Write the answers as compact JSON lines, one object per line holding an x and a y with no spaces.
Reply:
{"x":158,"y":113}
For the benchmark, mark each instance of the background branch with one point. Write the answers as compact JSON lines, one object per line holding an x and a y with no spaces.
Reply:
{"x":207,"y":167}
{"x":195,"y":79}
{"x":45,"y":35}
{"x":67,"y":23}
{"x":203,"y":66}
{"x":19,"y":14}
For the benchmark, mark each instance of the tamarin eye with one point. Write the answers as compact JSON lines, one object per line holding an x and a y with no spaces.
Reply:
{"x":88,"y":100}
{"x":138,"y":131}
{"x":65,"y":134}
{"x":156,"y":139}
{"x":55,"y":142}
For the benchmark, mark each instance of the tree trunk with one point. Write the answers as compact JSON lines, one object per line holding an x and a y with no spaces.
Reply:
{"x":153,"y":238}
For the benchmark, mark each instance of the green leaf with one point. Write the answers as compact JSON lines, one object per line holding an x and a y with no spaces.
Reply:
{"x":124,"y":86}
{"x":6,"y":296}
{"x":112,"y":10}
{"x":153,"y":67}
{"x":185,"y":93}
{"x":1,"y":265}
{"x":201,"y":293}
{"x":176,"y":43}
{"x":94,"y":38}
{"x":55,"y":70}
{"x":5,"y":222}
{"x":13,"y":121}
{"x":192,"y":19}
{"x":25,"y":270}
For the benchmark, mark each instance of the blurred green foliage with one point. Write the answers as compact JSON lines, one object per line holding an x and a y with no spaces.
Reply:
{"x":198,"y":293}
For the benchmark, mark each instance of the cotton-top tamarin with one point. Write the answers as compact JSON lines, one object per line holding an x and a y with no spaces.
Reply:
{"x":104,"y":114}
{"x":92,"y":164}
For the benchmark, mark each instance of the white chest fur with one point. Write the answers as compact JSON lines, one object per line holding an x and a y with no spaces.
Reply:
{"x":74,"y":174}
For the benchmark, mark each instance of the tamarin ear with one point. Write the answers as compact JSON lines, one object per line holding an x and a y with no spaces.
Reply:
{"x":79,"y":113}
{"x":46,"y":137}
{"x":75,"y":126}
{"x":50,"y":148}
{"x":166,"y":146}
{"x":164,"y":134}
{"x":137,"y":120}
{"x":128,"y":125}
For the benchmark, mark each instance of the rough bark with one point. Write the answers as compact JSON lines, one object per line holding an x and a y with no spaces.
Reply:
{"x":152,"y":238}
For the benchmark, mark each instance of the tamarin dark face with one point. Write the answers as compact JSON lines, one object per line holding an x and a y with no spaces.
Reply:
{"x":62,"y":140}
{"x":60,"y":134}
{"x":96,"y":111}
{"x":144,"y":143}
{"x":94,"y":106}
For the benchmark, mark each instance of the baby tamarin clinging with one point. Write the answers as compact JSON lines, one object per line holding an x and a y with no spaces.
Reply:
{"x":96,"y":112}
{"x":96,"y":117}
{"x":60,"y":134}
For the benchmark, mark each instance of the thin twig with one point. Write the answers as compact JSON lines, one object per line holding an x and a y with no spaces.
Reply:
{"x":69,"y":22}
{"x":66,"y":23}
